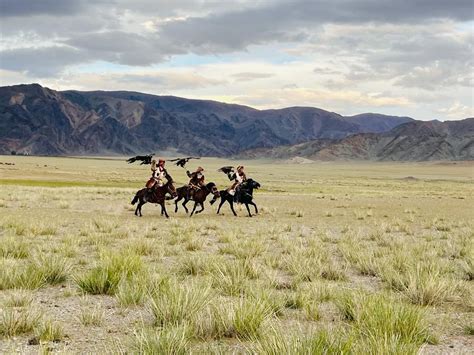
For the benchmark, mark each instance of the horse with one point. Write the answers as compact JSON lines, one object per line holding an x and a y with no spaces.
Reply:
{"x":155,"y":195}
{"x":199,"y":196}
{"x":244,"y":196}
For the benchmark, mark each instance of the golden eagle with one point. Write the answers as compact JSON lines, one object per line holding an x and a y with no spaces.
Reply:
{"x":182,"y":161}
{"x":145,"y":159}
{"x":226,"y":169}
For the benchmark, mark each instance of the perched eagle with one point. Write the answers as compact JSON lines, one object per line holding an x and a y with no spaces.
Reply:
{"x":145,"y":159}
{"x":182,"y":161}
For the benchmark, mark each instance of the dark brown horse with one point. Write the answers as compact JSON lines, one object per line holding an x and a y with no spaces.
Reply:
{"x":154,"y":195}
{"x":198,"y":196}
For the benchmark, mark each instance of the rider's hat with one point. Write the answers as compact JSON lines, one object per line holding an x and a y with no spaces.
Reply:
{"x":200,"y":168}
{"x":240,"y":167}
{"x":161,"y":161}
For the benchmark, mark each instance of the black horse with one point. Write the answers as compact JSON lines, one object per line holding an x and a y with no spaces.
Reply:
{"x":198,"y":196}
{"x":245,"y":196}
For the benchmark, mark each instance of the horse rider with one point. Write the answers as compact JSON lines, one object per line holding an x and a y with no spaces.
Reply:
{"x":196,"y":181}
{"x":158,"y":174}
{"x":239,"y":177}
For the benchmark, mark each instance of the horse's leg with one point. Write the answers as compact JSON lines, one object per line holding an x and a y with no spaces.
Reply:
{"x":254,"y":205}
{"x":194,"y":209}
{"x":139,"y":208}
{"x":163,"y":209}
{"x":176,"y":204}
{"x":184,"y":205}
{"x":248,"y":209}
{"x":231,"y":202}
{"x":202,"y":208}
{"x":220,"y":205}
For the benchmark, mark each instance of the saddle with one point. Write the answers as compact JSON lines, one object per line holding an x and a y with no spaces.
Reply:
{"x":150,"y":183}
{"x":153,"y":182}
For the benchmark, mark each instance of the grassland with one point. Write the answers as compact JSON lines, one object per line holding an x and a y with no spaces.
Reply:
{"x":342,"y":258}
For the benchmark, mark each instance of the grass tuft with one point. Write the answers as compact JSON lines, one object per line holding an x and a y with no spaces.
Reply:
{"x":105,"y":277}
{"x":49,"y":331}
{"x":249,"y":317}
{"x":173,"y":340}
{"x":177,"y":304}
{"x":16,"y":322}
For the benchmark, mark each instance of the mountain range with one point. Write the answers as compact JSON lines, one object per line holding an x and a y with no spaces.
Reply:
{"x":42,"y":121}
{"x":411,"y":141}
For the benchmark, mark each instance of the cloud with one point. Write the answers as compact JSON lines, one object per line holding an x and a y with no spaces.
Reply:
{"x":41,"y":62}
{"x":249,"y":76}
{"x":42,"y":7}
{"x":167,"y":80}
{"x":118,"y":31}
{"x":436,"y":76}
{"x":329,"y":99}
{"x":312,"y":52}
{"x":124,"y":48}
{"x":458,"y":111}
{"x":287,"y":21}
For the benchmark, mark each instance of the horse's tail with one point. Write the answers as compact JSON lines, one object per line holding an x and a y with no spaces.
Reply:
{"x":135,"y":199}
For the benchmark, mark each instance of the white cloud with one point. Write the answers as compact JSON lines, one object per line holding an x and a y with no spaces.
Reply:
{"x":458,"y":111}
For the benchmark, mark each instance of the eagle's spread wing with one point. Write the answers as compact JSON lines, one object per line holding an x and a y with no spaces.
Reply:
{"x":144,"y":159}
{"x":226,"y":169}
{"x":182,"y":161}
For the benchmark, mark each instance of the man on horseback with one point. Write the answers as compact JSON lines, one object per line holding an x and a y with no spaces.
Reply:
{"x":239,"y":177}
{"x":158,"y":174}
{"x":196,"y":181}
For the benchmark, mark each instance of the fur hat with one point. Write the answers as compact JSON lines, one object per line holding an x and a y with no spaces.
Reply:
{"x":240,"y":167}
{"x":161,"y":161}
{"x":199,"y":169}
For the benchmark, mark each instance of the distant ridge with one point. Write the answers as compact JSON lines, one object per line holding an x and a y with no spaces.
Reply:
{"x":411,"y":141}
{"x":38,"y":120}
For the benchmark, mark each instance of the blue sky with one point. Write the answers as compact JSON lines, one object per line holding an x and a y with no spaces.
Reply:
{"x":409,"y":58}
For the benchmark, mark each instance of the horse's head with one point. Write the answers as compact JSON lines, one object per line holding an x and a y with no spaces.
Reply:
{"x":212,"y":188}
{"x":253,"y":184}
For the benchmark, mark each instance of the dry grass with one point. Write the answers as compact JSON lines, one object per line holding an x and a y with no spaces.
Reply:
{"x":334,"y":263}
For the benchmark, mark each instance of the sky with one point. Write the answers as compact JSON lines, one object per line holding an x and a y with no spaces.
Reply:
{"x":406,"y":57}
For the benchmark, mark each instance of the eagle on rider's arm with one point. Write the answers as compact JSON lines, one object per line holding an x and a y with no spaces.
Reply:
{"x":226,"y":169}
{"x":229,"y":171}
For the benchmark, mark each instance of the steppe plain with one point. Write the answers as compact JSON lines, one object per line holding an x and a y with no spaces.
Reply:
{"x":343,"y":257}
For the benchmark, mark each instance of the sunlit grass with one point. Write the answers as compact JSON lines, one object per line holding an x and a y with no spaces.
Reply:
{"x":340,"y":260}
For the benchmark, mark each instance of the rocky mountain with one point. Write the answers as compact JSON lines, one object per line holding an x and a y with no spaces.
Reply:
{"x":39,"y":120}
{"x":412,"y":141}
